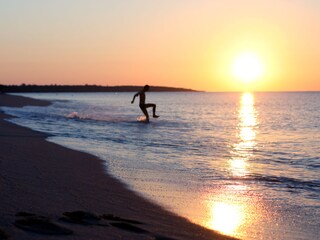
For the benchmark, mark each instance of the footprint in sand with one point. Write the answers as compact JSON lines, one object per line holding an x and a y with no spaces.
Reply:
{"x":83,"y":218}
{"x":128,"y":225}
{"x":44,"y":225}
{"x":38,"y":224}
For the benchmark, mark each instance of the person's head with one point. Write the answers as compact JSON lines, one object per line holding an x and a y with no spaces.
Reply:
{"x":146,"y":88}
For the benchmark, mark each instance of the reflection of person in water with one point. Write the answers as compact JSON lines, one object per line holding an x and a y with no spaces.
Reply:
{"x":143,"y":105}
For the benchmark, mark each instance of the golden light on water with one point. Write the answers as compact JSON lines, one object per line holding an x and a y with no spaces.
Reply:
{"x":230,"y":217}
{"x":242,"y":151}
{"x":247,"y":134}
{"x":239,"y":167}
{"x":247,"y":117}
{"x":232,"y":211}
{"x":226,"y":216}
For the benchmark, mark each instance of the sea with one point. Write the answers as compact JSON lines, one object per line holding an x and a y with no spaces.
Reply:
{"x":244,"y":164}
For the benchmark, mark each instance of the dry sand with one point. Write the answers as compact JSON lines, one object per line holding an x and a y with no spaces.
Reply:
{"x":41,"y":181}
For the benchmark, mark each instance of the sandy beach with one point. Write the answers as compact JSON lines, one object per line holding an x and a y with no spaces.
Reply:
{"x":51,"y":192}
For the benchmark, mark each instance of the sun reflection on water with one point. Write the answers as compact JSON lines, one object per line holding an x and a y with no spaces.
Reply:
{"x":230,"y":217}
{"x":242,"y":151}
{"x":232,"y":211}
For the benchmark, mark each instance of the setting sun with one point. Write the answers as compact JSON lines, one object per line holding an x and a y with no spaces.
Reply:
{"x":247,"y":67}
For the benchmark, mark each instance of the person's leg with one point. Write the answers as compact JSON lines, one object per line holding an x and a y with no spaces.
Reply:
{"x":145,"y":112}
{"x":153,"y":109}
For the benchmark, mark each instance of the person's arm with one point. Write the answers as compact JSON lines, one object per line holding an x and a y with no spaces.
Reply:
{"x":134,"y":97}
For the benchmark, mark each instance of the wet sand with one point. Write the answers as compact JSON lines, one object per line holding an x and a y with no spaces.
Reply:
{"x":52,"y":192}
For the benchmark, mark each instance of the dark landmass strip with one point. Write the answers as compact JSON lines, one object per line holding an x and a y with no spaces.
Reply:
{"x":85,"y":88}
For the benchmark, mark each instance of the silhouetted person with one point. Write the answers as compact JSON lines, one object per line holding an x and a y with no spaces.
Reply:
{"x":143,"y":105}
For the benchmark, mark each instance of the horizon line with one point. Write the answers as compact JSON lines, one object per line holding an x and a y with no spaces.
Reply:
{"x":23,"y":85}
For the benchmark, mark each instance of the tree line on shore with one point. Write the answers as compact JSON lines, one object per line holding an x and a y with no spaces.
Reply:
{"x":84,"y":88}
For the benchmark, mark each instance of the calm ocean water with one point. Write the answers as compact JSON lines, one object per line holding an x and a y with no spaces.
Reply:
{"x":244,"y":164}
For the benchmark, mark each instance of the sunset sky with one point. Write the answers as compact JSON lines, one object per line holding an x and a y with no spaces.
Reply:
{"x":180,"y":43}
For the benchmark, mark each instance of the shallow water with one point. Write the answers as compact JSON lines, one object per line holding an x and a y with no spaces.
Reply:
{"x":246,"y":164}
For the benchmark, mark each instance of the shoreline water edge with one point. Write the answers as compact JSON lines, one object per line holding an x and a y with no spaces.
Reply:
{"x":50,"y":190}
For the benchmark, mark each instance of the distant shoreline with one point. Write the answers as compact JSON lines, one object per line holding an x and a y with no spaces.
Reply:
{"x":84,"y":88}
{"x":32,"y":88}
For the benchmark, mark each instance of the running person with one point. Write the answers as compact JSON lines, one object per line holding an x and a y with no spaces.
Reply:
{"x":143,"y":105}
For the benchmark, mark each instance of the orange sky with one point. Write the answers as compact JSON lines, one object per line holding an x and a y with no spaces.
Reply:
{"x":181,"y":43}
